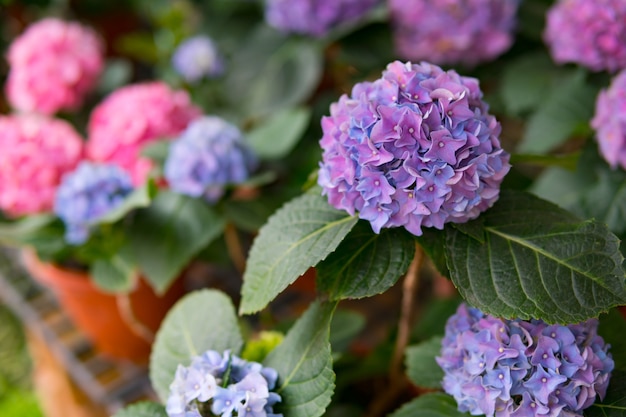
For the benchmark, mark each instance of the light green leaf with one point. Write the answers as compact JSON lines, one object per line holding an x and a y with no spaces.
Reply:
{"x":20,"y":231}
{"x":116,"y":274}
{"x":538,"y":261}
{"x":430,"y":405}
{"x":200,"y":321}
{"x":165,"y":236}
{"x":276,"y":137}
{"x":298,"y":236}
{"x":566,"y":108}
{"x":366,"y":263}
{"x":421,"y":366}
{"x":157,"y":150}
{"x":303,"y":361}
{"x":142,"y":409}
{"x":140,"y":197}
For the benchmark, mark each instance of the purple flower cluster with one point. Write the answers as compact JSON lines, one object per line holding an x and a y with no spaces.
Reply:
{"x":453,"y":31}
{"x":591,"y":33}
{"x":197,"y":57}
{"x":88,"y":193}
{"x":609,"y":121}
{"x":314,"y":17}
{"x":522,"y":368}
{"x":414,"y":148}
{"x":209,"y":155}
{"x":222,"y":385}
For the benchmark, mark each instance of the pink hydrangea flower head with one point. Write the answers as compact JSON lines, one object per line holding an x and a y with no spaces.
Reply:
{"x":414,"y":148}
{"x":314,"y":17}
{"x":453,"y":31}
{"x":591,"y":33}
{"x":36,"y":152}
{"x":53,"y":65}
{"x":609,"y":121}
{"x":133,"y":116}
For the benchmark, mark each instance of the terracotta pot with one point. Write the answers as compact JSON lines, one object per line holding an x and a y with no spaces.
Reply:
{"x":119,"y":326}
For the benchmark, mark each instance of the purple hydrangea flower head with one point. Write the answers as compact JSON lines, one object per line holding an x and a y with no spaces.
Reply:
{"x":314,"y":17}
{"x":453,"y":31}
{"x":222,"y":384}
{"x":196,"y":58}
{"x":609,"y":121}
{"x":208,"y":156}
{"x":591,"y":33}
{"x":414,"y":148}
{"x":86,"y":194}
{"x":518,"y":368}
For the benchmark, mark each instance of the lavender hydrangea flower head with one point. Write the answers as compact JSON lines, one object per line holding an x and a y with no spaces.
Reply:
{"x":414,"y":148}
{"x":88,"y":193}
{"x":197,"y":57}
{"x":609,"y":121}
{"x":314,"y":17}
{"x":222,"y":385}
{"x":208,"y":156}
{"x":453,"y":31}
{"x":518,"y":368}
{"x":591,"y":33}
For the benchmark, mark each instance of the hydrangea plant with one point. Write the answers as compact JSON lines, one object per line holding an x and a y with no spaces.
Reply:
{"x":610,"y":123}
{"x":196,"y":58}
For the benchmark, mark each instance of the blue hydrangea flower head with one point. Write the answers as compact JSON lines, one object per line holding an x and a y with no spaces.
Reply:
{"x":222,"y":384}
{"x":314,"y":17}
{"x":88,"y":193}
{"x":208,"y":156}
{"x":414,"y":148}
{"x":197,"y":58}
{"x":518,"y":368}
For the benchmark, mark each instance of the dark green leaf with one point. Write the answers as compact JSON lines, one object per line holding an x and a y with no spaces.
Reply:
{"x":433,"y":242}
{"x":345,"y":326}
{"x":613,"y":328}
{"x":165,"y":236}
{"x":21,"y":231}
{"x":538,"y":261}
{"x":200,"y":321}
{"x":566,"y":108}
{"x":432,"y":320}
{"x":306,"y":380}
{"x":250,"y":215}
{"x":474,"y":229}
{"x":276,"y":137}
{"x":142,"y":409}
{"x":614,"y":404}
{"x":366,"y":263}
{"x":140,"y":197}
{"x":421,"y":367}
{"x":606,"y":200}
{"x":298,"y":236}
{"x":115,"y":274}
{"x":430,"y":405}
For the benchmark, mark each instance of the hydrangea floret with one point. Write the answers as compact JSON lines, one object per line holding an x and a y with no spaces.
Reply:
{"x":414,"y":148}
{"x":222,"y":384}
{"x":519,"y":368}
{"x":88,"y":193}
{"x":314,"y":17}
{"x":35,"y":152}
{"x":590,"y":33}
{"x":52,"y":66}
{"x":465,"y":32}
{"x":207,"y":157}
{"x":132,"y":117}
{"x":609,"y":121}
{"x":196,"y":58}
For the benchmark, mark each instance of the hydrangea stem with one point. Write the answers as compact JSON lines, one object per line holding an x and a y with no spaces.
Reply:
{"x":233,"y":245}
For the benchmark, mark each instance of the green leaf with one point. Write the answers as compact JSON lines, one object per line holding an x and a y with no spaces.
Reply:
{"x":613,"y":328}
{"x":430,"y":405}
{"x":433,"y":242}
{"x":276,"y":137}
{"x":366,"y":263}
{"x":345,"y":326}
{"x":157,"y":150}
{"x":165,"y":236}
{"x":114,"y":275}
{"x":298,"y":236}
{"x":421,"y":366}
{"x":538,"y":261}
{"x":614,"y":404}
{"x":200,"y":321}
{"x":117,"y":73}
{"x":606,"y":200}
{"x":474,"y":229}
{"x":21,"y":231}
{"x":142,"y":409}
{"x":140,"y":197}
{"x":566,"y":108}
{"x":306,"y":380}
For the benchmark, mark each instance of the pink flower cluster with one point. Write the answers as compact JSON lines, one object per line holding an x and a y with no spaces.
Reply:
{"x":609,"y":121}
{"x":453,"y":31}
{"x":53,"y":65}
{"x":133,"y":116}
{"x":36,"y":152}
{"x":591,"y":33}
